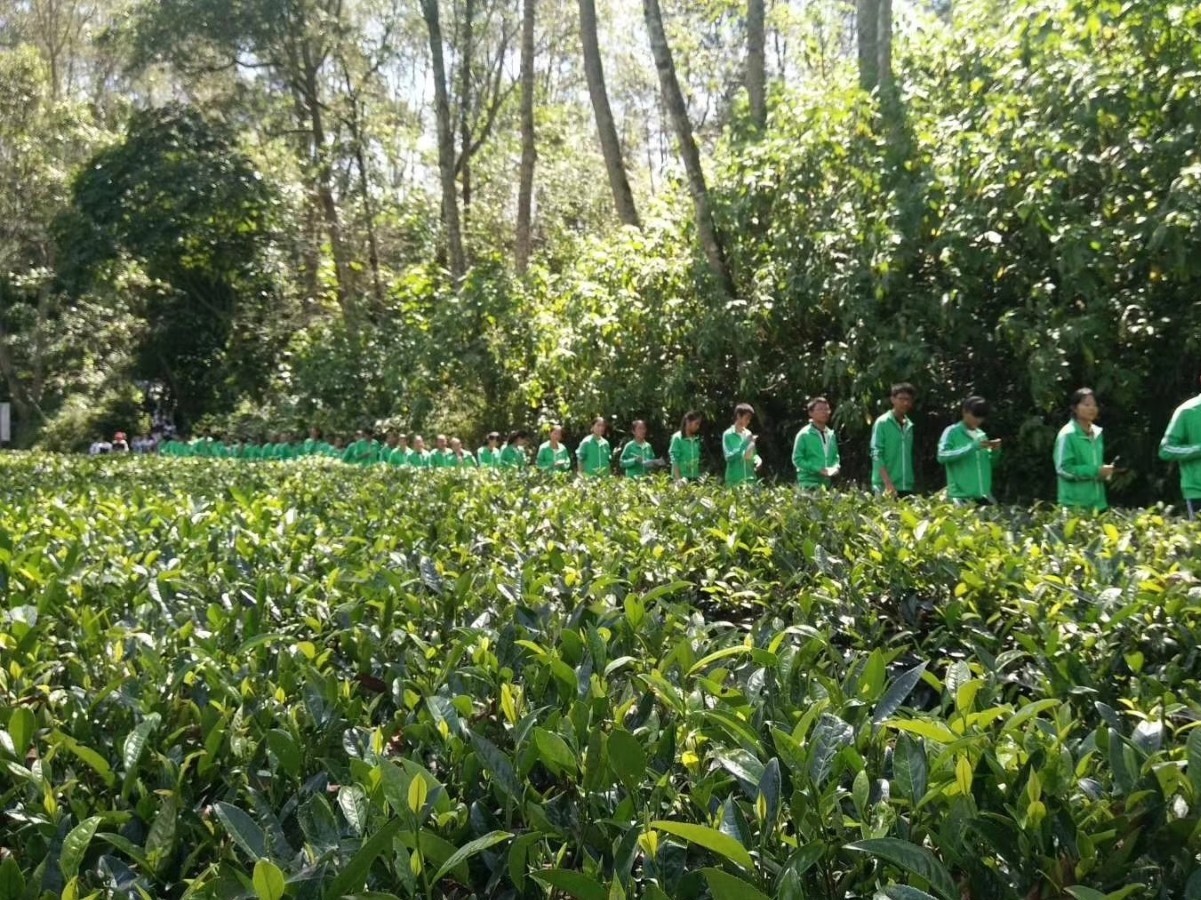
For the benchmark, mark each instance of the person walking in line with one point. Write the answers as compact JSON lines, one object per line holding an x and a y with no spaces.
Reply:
{"x":488,"y":455}
{"x":1181,"y":444}
{"x":685,"y":449}
{"x":815,"y":450}
{"x":638,"y":456}
{"x":968,"y":455}
{"x":460,"y":458}
{"x":553,"y":457}
{"x":892,"y":445}
{"x":738,"y":447}
{"x":513,"y":455}
{"x":1080,"y":467}
{"x":593,"y":454}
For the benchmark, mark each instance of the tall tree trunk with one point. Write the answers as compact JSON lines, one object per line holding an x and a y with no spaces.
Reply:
{"x":623,"y":197}
{"x":756,"y":62}
{"x":525,"y":190}
{"x":358,"y":140}
{"x":867,"y":29}
{"x":673,"y":99}
{"x":884,"y":47}
{"x":323,"y":179}
{"x":446,"y":144}
{"x":466,"y":60}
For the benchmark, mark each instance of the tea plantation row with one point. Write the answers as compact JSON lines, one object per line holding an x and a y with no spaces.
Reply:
{"x":224,"y":681}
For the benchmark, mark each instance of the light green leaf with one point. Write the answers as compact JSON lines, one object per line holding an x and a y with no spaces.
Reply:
{"x":575,"y":884}
{"x":470,"y":849}
{"x":913,"y":859}
{"x":75,"y":846}
{"x":268,"y":880}
{"x":725,"y":886}
{"x":710,"y":839}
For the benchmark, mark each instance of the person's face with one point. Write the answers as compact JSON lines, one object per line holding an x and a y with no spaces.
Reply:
{"x":556,"y":435}
{"x":1087,"y":409}
{"x":493,"y":443}
{"x":419,"y":443}
{"x":691,"y":427}
{"x":456,"y":445}
{"x":403,"y":441}
{"x":393,"y":440}
{"x":598,"y":427}
{"x":820,"y":414}
{"x":972,"y":421}
{"x":744,"y":421}
{"x":640,"y":432}
{"x":902,"y":403}
{"x":441,"y":442}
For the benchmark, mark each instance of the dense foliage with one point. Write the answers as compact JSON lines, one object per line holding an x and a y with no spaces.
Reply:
{"x":299,"y":680}
{"x":1016,"y":214}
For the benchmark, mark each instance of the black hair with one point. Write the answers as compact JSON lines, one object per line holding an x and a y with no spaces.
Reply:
{"x":976,"y":406}
{"x":691,"y":416}
{"x":903,"y":387}
{"x":1079,"y":395}
{"x":816,"y":400}
{"x":493,"y":436}
{"x":743,"y":409}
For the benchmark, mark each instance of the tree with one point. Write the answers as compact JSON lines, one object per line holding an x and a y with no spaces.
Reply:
{"x":525,"y":190}
{"x":756,"y":62}
{"x":873,"y":23}
{"x":673,"y":99}
{"x":446,"y":143}
{"x":177,"y":200}
{"x":623,"y":197}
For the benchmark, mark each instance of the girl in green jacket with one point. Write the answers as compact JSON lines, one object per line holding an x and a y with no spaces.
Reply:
{"x":552,"y":456}
{"x":1080,"y":456}
{"x":638,"y":456}
{"x":685,"y":449}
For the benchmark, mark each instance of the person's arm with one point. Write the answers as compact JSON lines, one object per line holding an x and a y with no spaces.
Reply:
{"x":545,"y":459}
{"x":673,"y":453}
{"x":631,"y":457}
{"x":948,"y":452}
{"x":1068,"y":467}
{"x":733,"y":445}
{"x":1175,"y":447}
{"x":877,"y":450}
{"x":803,"y":457}
{"x":835,"y":460}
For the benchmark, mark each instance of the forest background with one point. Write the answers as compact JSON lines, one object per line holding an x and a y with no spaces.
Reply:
{"x":461,"y":215}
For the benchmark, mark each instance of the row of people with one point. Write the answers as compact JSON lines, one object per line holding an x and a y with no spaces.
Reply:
{"x":965,"y":450}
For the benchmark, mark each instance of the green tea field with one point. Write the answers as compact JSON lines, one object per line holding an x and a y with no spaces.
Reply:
{"x":221,"y":680}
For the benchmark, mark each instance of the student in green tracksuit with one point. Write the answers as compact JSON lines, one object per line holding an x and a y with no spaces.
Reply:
{"x":488,"y":455}
{"x":685,"y":449}
{"x":312,"y":444}
{"x":1080,"y":456}
{"x":1182,"y":444}
{"x":738,"y":447}
{"x":362,"y":452}
{"x":419,"y":457}
{"x":638,"y":456}
{"x":513,"y":455}
{"x":460,"y":458}
{"x":969,"y":456}
{"x":892,"y":445}
{"x":553,"y":456}
{"x":593,"y":453}
{"x":440,"y":455}
{"x":399,"y":457}
{"x":815,"y":450}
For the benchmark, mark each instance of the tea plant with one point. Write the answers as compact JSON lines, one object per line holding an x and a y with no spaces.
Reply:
{"x":225,"y":681}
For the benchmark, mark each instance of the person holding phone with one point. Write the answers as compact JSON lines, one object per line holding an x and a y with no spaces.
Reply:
{"x":738,"y":447}
{"x":1080,"y":467}
{"x":968,"y":455}
{"x":1181,"y":444}
{"x":638,"y":456}
{"x":815,"y":450}
{"x":685,"y":449}
{"x":892,"y":445}
{"x":553,"y":456}
{"x":593,"y":454}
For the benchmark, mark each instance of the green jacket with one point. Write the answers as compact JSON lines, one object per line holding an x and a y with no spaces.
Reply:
{"x":813,"y":451}
{"x":441,"y":459}
{"x":550,"y":459}
{"x":1182,"y":444}
{"x":1078,"y":461}
{"x":739,"y":469}
{"x":969,"y":465}
{"x":685,"y":456}
{"x":892,"y":449}
{"x":594,"y":455}
{"x":466,"y":461}
{"x":397,"y":456}
{"x":488,"y":458}
{"x":421,"y":459}
{"x":513,"y":457}
{"x":634,"y":457}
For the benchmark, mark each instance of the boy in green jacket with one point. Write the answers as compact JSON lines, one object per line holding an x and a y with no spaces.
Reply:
{"x":738,"y":447}
{"x":1182,"y":444}
{"x":489,"y":454}
{"x":685,"y":449}
{"x":892,"y":445}
{"x":594,"y":454}
{"x":968,"y":455}
{"x":815,"y":450}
